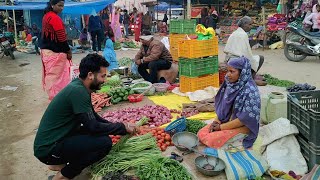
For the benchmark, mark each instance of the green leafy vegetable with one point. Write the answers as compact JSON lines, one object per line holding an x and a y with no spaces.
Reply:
{"x":195,"y":125}
{"x":125,"y":61}
{"x":162,"y":168}
{"x":117,"y":45}
{"x":277,"y":82}
{"x":129,"y":44}
{"x":134,"y":152}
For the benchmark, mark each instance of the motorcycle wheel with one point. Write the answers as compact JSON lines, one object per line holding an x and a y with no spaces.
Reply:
{"x":11,"y":54}
{"x":289,"y":52}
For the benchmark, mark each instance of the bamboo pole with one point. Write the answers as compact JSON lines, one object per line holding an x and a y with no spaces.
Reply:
{"x":7,"y":14}
{"x":264,"y":26}
{"x":15,"y":26}
{"x":189,"y":9}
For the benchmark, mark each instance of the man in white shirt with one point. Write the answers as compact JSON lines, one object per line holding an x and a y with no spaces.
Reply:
{"x":238,"y":45}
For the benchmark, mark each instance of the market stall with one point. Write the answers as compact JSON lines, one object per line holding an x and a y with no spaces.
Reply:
{"x":267,"y":22}
{"x":70,"y":8}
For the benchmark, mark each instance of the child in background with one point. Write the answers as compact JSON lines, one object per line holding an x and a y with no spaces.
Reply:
{"x":163,"y":27}
{"x":154,"y":27}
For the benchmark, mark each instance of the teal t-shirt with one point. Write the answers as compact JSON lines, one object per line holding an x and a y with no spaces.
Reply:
{"x":58,"y":120}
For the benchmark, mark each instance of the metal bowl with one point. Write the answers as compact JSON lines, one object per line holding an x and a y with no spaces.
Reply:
{"x":123,"y":70}
{"x":216,"y":163}
{"x":185,"y":141}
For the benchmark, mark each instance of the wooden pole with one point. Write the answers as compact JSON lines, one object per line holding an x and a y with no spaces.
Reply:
{"x":157,"y":11}
{"x":7,"y":14}
{"x":83,"y":21}
{"x":188,"y":9}
{"x":264,"y":26}
{"x":15,"y":26}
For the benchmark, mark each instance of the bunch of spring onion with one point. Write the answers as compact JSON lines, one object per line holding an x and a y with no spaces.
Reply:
{"x":127,"y":153}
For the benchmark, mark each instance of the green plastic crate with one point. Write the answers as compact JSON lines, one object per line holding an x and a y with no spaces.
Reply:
{"x":310,"y":151}
{"x":304,"y":112}
{"x":199,"y":66}
{"x":183,"y":26}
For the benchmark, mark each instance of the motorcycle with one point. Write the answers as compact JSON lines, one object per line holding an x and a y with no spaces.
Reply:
{"x":7,"y":45}
{"x":299,"y":44}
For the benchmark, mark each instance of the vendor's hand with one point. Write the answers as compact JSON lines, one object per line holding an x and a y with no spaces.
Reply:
{"x":215,"y":126}
{"x":138,"y":62}
{"x":69,"y":55}
{"x":131,"y":128}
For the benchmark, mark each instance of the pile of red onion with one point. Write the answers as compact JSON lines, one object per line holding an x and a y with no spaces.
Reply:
{"x":158,"y":115}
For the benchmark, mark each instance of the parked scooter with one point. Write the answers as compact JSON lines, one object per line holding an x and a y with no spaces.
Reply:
{"x":7,"y":45}
{"x":299,"y":44}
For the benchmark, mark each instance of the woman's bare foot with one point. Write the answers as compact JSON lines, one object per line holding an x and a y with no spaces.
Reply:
{"x":56,"y":167}
{"x":260,"y":83}
{"x":59,"y":176}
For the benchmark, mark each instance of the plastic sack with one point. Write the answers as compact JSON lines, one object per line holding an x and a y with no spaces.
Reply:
{"x":134,"y":68}
{"x":140,"y":90}
{"x":165,"y":41}
{"x":199,"y":95}
{"x":282,"y":149}
{"x":245,"y":164}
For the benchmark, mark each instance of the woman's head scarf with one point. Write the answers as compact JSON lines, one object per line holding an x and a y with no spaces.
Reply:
{"x":54,"y":2}
{"x":240,"y":100}
{"x":110,"y":55}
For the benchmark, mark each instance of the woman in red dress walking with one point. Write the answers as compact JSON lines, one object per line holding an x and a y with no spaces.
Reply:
{"x":137,"y":27}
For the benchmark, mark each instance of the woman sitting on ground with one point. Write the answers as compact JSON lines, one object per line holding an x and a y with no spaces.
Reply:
{"x":84,"y":39}
{"x":237,"y":106}
{"x":108,"y":53}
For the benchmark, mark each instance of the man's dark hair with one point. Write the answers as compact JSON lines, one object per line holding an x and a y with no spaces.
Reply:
{"x":146,"y":33}
{"x":92,"y":63}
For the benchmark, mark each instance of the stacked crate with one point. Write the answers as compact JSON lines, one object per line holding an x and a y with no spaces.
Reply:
{"x":178,"y":30}
{"x":304,"y":113}
{"x":198,"y":64}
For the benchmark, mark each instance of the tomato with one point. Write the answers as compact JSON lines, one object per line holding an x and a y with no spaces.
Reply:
{"x":168,"y":143}
{"x":159,"y":145}
{"x":171,"y":143}
{"x":159,"y":137}
{"x":163,"y":147}
{"x":161,"y":141}
{"x":167,"y":138}
{"x":154,"y":131}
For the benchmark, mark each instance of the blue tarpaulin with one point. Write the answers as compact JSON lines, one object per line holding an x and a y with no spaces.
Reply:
{"x":69,"y":7}
{"x":164,"y":6}
{"x":192,"y":1}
